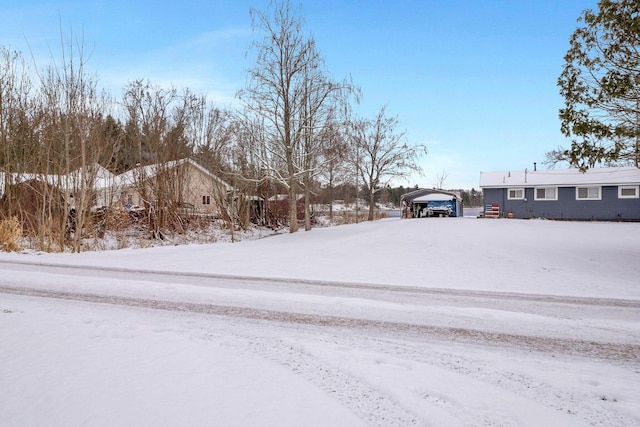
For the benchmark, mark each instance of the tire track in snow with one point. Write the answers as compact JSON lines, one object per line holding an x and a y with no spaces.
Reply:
{"x":371,"y":405}
{"x":629,"y":353}
{"x":561,"y":400}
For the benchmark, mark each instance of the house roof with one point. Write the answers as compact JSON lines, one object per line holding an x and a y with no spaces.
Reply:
{"x":102,"y":178}
{"x":561,"y":177}
{"x":130,"y":177}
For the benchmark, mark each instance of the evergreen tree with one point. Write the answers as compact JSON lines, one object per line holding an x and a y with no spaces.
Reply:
{"x":601,"y":87}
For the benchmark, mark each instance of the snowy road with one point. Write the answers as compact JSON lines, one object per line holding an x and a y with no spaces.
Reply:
{"x":551,"y":324}
{"x":369,"y":354}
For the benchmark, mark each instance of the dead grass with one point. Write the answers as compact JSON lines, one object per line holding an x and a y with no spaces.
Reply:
{"x":10,"y":234}
{"x":349,"y":217}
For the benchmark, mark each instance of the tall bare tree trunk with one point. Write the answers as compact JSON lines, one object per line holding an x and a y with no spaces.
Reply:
{"x":293,"y":206}
{"x":307,"y":204}
{"x":371,"y":215}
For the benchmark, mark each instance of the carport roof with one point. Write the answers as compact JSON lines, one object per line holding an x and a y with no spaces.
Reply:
{"x":422,"y":193}
{"x":434,"y":197}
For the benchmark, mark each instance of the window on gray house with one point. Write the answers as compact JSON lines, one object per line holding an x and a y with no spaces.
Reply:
{"x":588,"y":193}
{"x":515,"y":194}
{"x":546,"y":193}
{"x":628,"y":192}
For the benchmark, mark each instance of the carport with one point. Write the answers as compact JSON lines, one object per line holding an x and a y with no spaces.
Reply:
{"x":431,"y":203}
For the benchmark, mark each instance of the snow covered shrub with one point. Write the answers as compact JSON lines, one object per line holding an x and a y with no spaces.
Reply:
{"x":10,"y":234}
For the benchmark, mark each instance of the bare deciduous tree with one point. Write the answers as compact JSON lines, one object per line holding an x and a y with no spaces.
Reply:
{"x":74,"y":110}
{"x":16,"y":130}
{"x":441,"y":178}
{"x":335,"y":160}
{"x":162,"y":121}
{"x":380,"y":153}
{"x":290,"y":93}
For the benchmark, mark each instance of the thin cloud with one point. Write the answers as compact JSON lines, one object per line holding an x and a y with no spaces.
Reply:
{"x":202,"y":63}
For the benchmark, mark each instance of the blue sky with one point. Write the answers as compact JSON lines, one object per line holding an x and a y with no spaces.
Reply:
{"x":473,"y":80}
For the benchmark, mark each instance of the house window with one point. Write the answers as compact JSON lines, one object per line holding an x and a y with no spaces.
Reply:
{"x":546,"y":193}
{"x":206,"y":200}
{"x":588,"y":193}
{"x":628,"y":192}
{"x":515,"y":194}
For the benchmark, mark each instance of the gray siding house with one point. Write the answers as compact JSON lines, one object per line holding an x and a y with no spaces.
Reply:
{"x":606,"y":194}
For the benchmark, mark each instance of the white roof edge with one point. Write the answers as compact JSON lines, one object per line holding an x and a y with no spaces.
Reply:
{"x":624,"y":175}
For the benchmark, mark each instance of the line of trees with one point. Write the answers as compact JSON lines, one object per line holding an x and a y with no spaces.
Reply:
{"x":294,"y":132}
{"x":301,"y":119}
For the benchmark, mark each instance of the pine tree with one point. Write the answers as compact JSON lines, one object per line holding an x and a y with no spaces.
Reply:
{"x":601,"y":87}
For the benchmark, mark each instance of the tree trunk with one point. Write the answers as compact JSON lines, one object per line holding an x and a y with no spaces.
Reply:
{"x":307,"y":209}
{"x":371,"y":206}
{"x":293,"y":209}
{"x":330,"y":199}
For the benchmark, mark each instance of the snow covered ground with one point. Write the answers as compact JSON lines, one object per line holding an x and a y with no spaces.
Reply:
{"x":436,"y":322}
